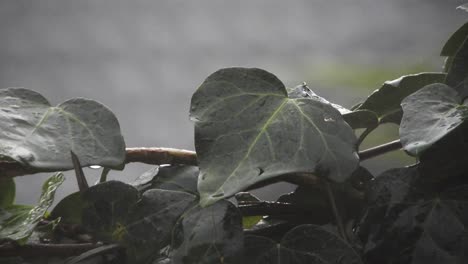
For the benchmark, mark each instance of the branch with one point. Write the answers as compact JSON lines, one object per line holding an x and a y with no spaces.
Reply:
{"x":379,"y":150}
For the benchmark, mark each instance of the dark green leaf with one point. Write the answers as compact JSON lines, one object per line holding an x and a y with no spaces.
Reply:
{"x":442,"y":113}
{"x":106,"y":208}
{"x":458,"y":72}
{"x":247,"y":130}
{"x":455,"y":41}
{"x":18,"y":223}
{"x":151,"y":223}
{"x":303,"y":91}
{"x":69,"y":209}
{"x":146,"y":177}
{"x":406,"y":223}
{"x":303,"y":244}
{"x":386,"y":101}
{"x":176,"y":178}
{"x":41,"y":136}
{"x":361,"y":119}
{"x":209,"y":235}
{"x":7,"y":192}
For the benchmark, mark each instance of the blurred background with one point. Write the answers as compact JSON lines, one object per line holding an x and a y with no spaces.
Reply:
{"x":144,"y":59}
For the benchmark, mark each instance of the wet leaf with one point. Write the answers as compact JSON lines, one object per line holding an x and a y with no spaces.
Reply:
{"x":457,"y":74}
{"x":406,"y":223}
{"x":176,"y":178}
{"x":385,"y":101}
{"x":303,"y":244}
{"x":209,"y":235}
{"x":146,"y":177}
{"x":7,"y":192}
{"x":69,"y":209}
{"x":442,"y":114}
{"x":455,"y":41}
{"x":18,"y":222}
{"x":361,"y":119}
{"x":247,"y":130}
{"x":39,"y":135}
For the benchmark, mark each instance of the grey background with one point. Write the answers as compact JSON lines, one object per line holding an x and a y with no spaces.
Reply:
{"x":144,"y":59}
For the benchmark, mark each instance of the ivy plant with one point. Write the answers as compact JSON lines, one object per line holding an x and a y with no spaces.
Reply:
{"x":250,"y":131}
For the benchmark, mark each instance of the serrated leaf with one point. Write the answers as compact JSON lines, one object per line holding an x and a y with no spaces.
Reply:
{"x":442,"y":113}
{"x":18,"y":222}
{"x":303,"y":244}
{"x":247,"y":130}
{"x":39,"y":135}
{"x":209,"y":235}
{"x":7,"y":192}
{"x":406,"y":223}
{"x":385,"y":101}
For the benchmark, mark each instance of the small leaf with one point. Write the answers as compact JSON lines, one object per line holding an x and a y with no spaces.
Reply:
{"x":176,"y":178}
{"x":42,"y":136}
{"x":247,"y":130}
{"x":458,"y":72}
{"x":386,"y":100}
{"x":250,"y":221}
{"x":303,"y":244}
{"x":7,"y":192}
{"x":209,"y":235}
{"x":18,"y":222}
{"x":146,"y":177}
{"x":442,"y":114}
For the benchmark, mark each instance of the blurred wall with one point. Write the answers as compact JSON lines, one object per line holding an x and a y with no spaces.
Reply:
{"x":144,"y":59}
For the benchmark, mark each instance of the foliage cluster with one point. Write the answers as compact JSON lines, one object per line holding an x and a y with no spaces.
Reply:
{"x":250,"y":131}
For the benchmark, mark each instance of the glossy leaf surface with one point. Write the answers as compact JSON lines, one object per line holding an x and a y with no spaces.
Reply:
{"x":303,"y":244}
{"x":18,"y":222}
{"x":39,"y":135}
{"x":176,"y":178}
{"x":361,"y":119}
{"x":441,"y":114}
{"x":385,"y":101}
{"x":247,"y":130}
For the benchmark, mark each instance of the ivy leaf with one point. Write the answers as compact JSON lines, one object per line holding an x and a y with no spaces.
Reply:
{"x":209,"y":235}
{"x":361,"y":119}
{"x":116,"y":213}
{"x":303,"y":244}
{"x":18,"y":222}
{"x":458,"y":72}
{"x":455,"y":41}
{"x":176,"y":178}
{"x":303,"y":91}
{"x":7,"y":192}
{"x":385,"y":101}
{"x":247,"y":130}
{"x":406,"y":223}
{"x":442,"y":114}
{"x":146,"y":177}
{"x":69,"y":209}
{"x":41,"y":136}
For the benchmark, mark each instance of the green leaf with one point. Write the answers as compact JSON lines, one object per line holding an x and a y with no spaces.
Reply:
{"x":455,"y":41}
{"x":18,"y":222}
{"x":442,"y":114}
{"x":247,"y":130}
{"x":303,"y":91}
{"x":458,"y":72}
{"x":7,"y":192}
{"x":209,"y":235}
{"x":361,"y":119}
{"x":303,"y":244}
{"x":69,"y":209}
{"x":385,"y":101}
{"x":39,"y":135}
{"x":176,"y":178}
{"x":406,"y":223}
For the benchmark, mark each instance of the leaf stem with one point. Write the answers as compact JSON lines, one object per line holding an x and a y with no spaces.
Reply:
{"x":338,"y":219}
{"x":379,"y":150}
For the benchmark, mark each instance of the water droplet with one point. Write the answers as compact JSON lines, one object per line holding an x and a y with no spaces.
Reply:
{"x":95,"y":167}
{"x":329,"y":119}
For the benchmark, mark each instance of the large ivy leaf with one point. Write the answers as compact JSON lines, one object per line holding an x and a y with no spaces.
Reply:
{"x":385,"y":101}
{"x":406,"y":223}
{"x":7,"y":192}
{"x":39,"y":135}
{"x":18,"y":222}
{"x":209,"y":235}
{"x":116,"y":213}
{"x":428,"y":115}
{"x":303,"y":244}
{"x":247,"y":130}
